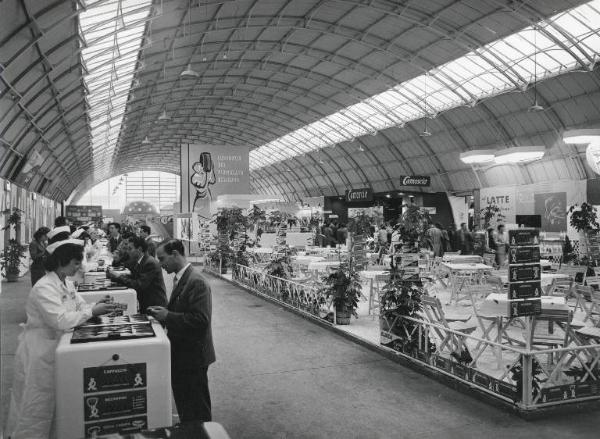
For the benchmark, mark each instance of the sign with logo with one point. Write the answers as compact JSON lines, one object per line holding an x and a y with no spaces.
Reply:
{"x":359,"y":195}
{"x":520,"y":273}
{"x":79,"y":215}
{"x":208,"y":171}
{"x":519,"y":255}
{"x":114,"y":377}
{"x":415,"y":180}
{"x":524,"y":290}
{"x":116,"y":404}
{"x":526,"y":307}
{"x":523,"y":237}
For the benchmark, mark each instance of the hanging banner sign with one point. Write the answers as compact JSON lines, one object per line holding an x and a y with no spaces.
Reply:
{"x":359,"y":195}
{"x":415,"y":180}
{"x":208,"y":171}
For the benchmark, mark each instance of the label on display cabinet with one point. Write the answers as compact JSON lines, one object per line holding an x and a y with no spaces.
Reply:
{"x":127,"y":425}
{"x":521,"y":273}
{"x":526,"y":307}
{"x":114,"y":405}
{"x":524,"y":290}
{"x":523,"y":237}
{"x":359,"y":195}
{"x":114,"y":377}
{"x":415,"y":180}
{"x":520,"y":255}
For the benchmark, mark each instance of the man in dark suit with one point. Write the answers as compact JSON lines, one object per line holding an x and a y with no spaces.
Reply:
{"x":114,"y":232}
{"x":188,"y":321}
{"x":146,"y":276}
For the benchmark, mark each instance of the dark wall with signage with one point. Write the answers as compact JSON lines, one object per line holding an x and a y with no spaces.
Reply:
{"x":593,"y":191}
{"x":392,"y":205}
{"x":443,"y":211}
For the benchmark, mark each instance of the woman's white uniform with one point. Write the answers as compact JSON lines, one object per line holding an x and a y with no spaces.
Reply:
{"x":52,"y":308}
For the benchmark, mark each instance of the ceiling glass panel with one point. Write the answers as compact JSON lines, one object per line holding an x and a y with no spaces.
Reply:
{"x":510,"y":63}
{"x":113,"y":33}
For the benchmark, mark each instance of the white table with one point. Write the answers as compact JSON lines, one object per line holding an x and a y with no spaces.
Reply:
{"x":260,"y":250}
{"x":462,"y":259}
{"x":322,"y":265}
{"x":457,"y":270}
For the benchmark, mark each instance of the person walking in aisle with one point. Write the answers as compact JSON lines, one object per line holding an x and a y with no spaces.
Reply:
{"x":434,"y":240}
{"x":501,"y":241}
{"x":37,"y":248}
{"x":146,"y":276}
{"x":464,"y":240}
{"x":53,"y":307}
{"x":188,"y":320}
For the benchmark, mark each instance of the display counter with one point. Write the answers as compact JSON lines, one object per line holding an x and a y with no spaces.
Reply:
{"x":125,"y":297}
{"x":113,"y":374}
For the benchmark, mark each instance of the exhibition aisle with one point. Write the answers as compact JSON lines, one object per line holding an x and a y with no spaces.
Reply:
{"x":278,"y":375}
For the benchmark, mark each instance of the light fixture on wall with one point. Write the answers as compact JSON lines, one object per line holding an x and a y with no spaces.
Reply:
{"x":519,"y":154}
{"x":477,"y":156}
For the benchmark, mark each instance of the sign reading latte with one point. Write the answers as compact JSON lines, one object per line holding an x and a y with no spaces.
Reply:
{"x":415,"y":180}
{"x":359,"y":195}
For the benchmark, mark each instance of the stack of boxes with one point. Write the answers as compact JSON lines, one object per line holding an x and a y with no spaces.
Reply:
{"x":524,"y":273}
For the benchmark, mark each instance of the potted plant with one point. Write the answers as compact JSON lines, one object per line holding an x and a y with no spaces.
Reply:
{"x":344,"y":289}
{"x":584,"y":219}
{"x":14,"y":251}
{"x":413,"y":224}
{"x":401,"y":298}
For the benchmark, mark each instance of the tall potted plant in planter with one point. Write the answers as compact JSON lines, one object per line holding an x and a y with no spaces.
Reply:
{"x":413,"y":223}
{"x":344,"y":289}
{"x":400,"y":298}
{"x":13,"y":251}
{"x":584,"y":219}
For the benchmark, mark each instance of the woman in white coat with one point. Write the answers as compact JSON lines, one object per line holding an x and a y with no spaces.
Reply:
{"x":52,"y":308}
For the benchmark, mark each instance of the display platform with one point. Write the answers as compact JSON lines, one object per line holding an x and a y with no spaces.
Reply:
{"x":126,"y":298}
{"x":113,"y":385}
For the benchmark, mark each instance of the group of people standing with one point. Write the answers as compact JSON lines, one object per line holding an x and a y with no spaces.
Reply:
{"x":54,"y":307}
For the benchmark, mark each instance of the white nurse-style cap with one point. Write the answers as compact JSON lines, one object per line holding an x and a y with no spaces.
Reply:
{"x":55,"y":231}
{"x":50,"y":249}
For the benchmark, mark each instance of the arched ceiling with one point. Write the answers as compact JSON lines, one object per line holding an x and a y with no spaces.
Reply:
{"x":73,"y":114}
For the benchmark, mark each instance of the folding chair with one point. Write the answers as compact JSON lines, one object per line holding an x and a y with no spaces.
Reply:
{"x":593,"y":281}
{"x":543,"y":331}
{"x":434,"y":313}
{"x":560,"y":287}
{"x":588,"y":300}
{"x":376,"y":284}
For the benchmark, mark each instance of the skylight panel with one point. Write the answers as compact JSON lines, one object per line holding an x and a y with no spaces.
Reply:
{"x":113,"y":32}
{"x":502,"y":65}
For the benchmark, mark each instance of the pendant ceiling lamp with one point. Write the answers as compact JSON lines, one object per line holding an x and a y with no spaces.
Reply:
{"x":536,"y":106}
{"x":146,"y":141}
{"x":425,"y":132}
{"x":164,"y":116}
{"x":189,"y":72}
{"x":478,"y":156}
{"x":519,"y":154}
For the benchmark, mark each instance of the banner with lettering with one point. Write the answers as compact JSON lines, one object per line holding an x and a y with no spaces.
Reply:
{"x":208,"y":171}
{"x":503,"y":197}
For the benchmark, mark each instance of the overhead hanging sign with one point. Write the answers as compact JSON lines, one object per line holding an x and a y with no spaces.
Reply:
{"x":208,"y":171}
{"x":359,"y":195}
{"x":415,"y":180}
